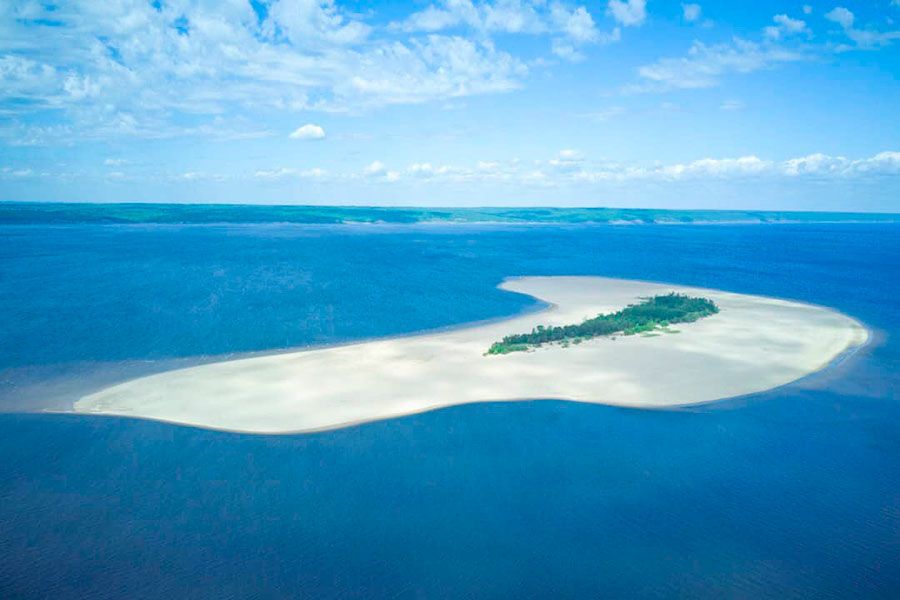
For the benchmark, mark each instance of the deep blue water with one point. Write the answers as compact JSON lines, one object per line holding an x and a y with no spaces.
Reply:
{"x":793,"y":493}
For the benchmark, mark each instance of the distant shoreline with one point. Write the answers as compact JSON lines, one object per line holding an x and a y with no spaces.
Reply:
{"x":61,"y":213}
{"x":755,"y":344}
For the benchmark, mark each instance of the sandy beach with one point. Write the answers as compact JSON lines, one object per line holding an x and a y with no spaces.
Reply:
{"x":753,"y":344}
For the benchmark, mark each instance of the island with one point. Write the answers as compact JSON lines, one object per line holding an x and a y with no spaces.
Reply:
{"x":752,"y":344}
{"x":649,"y":315}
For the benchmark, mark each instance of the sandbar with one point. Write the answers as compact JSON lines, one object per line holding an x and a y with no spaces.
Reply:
{"x":753,"y":344}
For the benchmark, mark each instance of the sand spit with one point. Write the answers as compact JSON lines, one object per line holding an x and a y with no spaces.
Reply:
{"x":753,"y":344}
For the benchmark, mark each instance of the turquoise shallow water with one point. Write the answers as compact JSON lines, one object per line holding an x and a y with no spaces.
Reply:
{"x":793,"y":493}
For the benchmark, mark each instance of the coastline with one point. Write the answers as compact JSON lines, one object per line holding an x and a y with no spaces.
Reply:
{"x":755,"y":344}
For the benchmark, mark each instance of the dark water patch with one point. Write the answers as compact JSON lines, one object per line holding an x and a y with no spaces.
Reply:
{"x":530,"y":499}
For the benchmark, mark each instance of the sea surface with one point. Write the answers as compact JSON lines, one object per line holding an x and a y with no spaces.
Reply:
{"x":794,"y":493}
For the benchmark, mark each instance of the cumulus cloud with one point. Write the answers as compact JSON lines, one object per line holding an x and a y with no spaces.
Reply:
{"x":785,"y":26}
{"x":376,"y":167}
{"x":509,"y":16}
{"x":309,"y":131}
{"x":572,"y":167}
{"x":814,"y":165}
{"x":705,"y":65}
{"x":691,"y":12}
{"x":436,"y":67}
{"x":377,"y":171}
{"x":568,"y":167}
{"x":841,"y":16}
{"x":865,"y":39}
{"x":503,"y":17}
{"x":133,"y":67}
{"x":577,"y":24}
{"x":569,"y":26}
{"x":286,"y":172}
{"x":567,"y":160}
{"x":628,"y":12}
{"x":716,"y":167}
{"x":426,"y":169}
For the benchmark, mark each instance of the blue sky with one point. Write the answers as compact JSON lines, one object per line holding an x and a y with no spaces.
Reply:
{"x":765,"y":105}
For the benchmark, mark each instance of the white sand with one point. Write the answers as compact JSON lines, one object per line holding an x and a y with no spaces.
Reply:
{"x":753,"y":344}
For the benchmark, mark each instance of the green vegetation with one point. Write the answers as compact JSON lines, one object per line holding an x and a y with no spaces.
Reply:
{"x":653,"y":313}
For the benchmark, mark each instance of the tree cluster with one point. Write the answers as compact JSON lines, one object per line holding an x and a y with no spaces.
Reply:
{"x":652,"y":313}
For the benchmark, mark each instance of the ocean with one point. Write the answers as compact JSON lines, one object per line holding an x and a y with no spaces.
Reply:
{"x":790,"y":493}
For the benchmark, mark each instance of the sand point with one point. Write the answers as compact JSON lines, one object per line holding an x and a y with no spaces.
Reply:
{"x":754,"y":344}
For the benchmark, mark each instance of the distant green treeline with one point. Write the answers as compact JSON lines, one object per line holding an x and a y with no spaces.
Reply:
{"x":65,"y":213}
{"x":652,"y":313}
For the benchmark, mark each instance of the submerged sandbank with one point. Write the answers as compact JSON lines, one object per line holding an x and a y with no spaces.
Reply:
{"x":753,"y":344}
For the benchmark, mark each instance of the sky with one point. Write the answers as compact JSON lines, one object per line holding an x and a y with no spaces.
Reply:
{"x":771,"y":104}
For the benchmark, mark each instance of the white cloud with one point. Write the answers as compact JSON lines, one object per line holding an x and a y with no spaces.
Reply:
{"x":841,"y":16}
{"x":14,"y":172}
{"x":511,"y":16}
{"x":376,"y":167}
{"x":566,"y":51}
{"x":202,"y":176}
{"x":814,"y":164}
{"x":571,"y":167}
{"x":315,"y":173}
{"x":862,"y":38}
{"x":705,"y":65}
{"x":313,"y":23}
{"x":275,"y":173}
{"x":428,"y":170}
{"x":605,"y":114}
{"x":114,"y":162}
{"x":807,"y":9}
{"x":377,"y":171}
{"x":286,"y":172}
{"x":125,"y":69}
{"x":715,"y":167}
{"x":309,"y":131}
{"x":785,"y":26}
{"x":567,"y":160}
{"x":503,"y":16}
{"x":576,"y":24}
{"x":569,"y":27}
{"x":437,"y":67}
{"x":628,"y":12}
{"x":790,"y":25}
{"x":732,"y":105}
{"x":691,"y":12}
{"x":568,"y":167}
{"x":883,"y":162}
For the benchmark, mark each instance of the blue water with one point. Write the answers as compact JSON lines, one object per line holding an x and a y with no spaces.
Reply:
{"x":792,"y":493}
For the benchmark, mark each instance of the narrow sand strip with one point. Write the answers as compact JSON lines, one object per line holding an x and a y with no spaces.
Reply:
{"x":753,"y":344}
